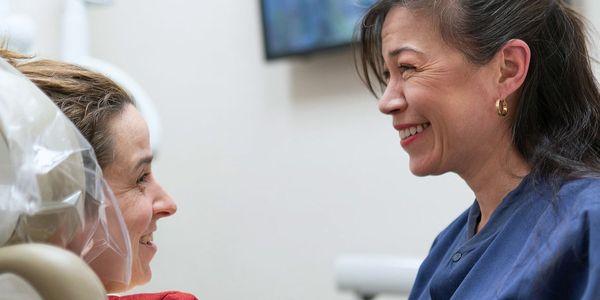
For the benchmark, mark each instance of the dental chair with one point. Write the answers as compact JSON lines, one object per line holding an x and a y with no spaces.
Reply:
{"x":370,"y":276}
{"x":57,"y":215}
{"x":39,"y":271}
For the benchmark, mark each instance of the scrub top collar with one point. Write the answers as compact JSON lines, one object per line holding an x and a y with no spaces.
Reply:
{"x":499,"y":217}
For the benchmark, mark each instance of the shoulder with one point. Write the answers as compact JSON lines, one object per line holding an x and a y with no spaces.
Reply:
{"x":581,"y":196}
{"x":582,"y":186}
{"x":576,"y":211}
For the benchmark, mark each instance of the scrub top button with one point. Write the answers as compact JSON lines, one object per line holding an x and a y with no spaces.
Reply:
{"x":456,"y":257}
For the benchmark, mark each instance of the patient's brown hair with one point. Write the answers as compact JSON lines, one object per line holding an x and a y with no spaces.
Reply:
{"x":89,"y":99}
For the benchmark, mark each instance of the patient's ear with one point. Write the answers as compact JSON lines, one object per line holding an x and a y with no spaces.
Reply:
{"x":512,"y":62}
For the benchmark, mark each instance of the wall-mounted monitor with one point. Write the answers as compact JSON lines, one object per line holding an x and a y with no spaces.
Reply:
{"x":296,"y":27}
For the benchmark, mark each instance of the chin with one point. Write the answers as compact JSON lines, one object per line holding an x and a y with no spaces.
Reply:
{"x":142,"y":276}
{"x":419,"y":172}
{"x":115,"y":287}
{"x":423,"y":167}
{"x":419,"y":167}
{"x":141,"y":272}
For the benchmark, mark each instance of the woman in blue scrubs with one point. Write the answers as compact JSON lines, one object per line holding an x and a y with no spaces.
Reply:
{"x":500,"y":92}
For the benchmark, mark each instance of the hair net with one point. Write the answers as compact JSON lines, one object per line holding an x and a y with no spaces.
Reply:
{"x":51,"y":187}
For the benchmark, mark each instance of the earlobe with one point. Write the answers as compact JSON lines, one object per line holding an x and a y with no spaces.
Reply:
{"x":515,"y":57}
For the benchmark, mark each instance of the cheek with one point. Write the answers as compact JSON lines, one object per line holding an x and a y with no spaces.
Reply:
{"x":440,"y":107}
{"x":450,"y":112}
{"x":452,"y":104}
{"x":455,"y":105}
{"x":137,"y":213}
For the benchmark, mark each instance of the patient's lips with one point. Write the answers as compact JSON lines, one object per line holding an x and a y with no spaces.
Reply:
{"x":147,"y":239}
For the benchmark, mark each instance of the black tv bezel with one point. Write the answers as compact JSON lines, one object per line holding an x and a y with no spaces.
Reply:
{"x":271,"y":57}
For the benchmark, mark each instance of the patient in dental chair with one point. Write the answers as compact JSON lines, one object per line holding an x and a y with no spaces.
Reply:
{"x":109,"y":120}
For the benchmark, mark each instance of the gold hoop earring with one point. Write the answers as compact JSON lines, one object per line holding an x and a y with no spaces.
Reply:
{"x":502,"y":107}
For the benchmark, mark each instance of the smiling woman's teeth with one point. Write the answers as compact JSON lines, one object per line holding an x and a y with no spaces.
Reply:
{"x":146,"y":239}
{"x":408,"y":132}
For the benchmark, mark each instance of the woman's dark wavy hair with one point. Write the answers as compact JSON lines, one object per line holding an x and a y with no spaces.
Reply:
{"x":557,"y":124}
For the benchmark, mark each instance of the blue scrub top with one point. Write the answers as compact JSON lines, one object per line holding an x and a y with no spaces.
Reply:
{"x":536,"y":245}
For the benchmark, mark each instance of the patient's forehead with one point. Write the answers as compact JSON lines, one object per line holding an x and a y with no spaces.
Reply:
{"x":131,"y":139}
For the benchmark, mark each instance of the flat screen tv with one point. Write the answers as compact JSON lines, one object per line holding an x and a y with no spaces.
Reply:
{"x":295,"y":27}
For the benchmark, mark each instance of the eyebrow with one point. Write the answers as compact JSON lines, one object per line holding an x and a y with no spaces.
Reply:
{"x":397,"y":51}
{"x":144,"y":160}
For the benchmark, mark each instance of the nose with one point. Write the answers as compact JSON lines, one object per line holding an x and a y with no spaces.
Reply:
{"x":164,"y":205}
{"x":392,"y":101}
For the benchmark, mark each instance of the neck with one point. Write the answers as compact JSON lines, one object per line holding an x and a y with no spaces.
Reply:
{"x":493,"y":178}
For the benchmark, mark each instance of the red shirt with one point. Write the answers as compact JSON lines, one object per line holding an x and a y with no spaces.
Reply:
{"x":170,"y":295}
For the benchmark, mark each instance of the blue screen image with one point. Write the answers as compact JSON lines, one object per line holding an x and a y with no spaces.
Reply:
{"x":299,"y":26}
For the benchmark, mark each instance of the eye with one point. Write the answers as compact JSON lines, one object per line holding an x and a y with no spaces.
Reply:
{"x":404,"y":68}
{"x":142,"y":182}
{"x":143,"y":179}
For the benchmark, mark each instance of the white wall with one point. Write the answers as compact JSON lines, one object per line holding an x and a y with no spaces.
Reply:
{"x":591,"y":9}
{"x":277,"y":168}
{"x":46,"y":14}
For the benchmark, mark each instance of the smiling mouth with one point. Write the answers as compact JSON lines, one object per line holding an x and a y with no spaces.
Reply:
{"x":147,"y":240}
{"x":408,"y":132}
